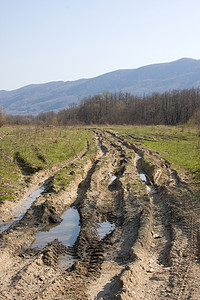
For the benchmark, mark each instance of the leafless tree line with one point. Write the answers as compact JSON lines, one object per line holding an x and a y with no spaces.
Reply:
{"x":169,"y":108}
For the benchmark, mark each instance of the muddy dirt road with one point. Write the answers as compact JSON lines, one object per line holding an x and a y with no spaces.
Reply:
{"x":138,"y":236}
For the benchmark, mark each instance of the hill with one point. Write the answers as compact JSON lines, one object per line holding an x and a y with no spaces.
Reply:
{"x":35,"y":98}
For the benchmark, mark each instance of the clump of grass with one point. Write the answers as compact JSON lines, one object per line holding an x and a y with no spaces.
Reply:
{"x":62,"y":179}
{"x":148,"y":161}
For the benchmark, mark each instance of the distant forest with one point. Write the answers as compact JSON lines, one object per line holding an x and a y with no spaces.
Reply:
{"x":169,"y":108}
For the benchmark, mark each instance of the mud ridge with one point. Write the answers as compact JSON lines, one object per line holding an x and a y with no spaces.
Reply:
{"x":167,"y":202}
{"x":148,"y":247}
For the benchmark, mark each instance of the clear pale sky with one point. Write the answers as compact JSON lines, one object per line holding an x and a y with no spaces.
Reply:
{"x":50,"y":40}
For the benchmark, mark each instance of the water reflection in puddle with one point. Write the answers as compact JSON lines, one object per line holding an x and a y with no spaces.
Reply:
{"x":22,"y":208}
{"x":112,"y":179}
{"x":99,"y":145}
{"x":137,"y":156}
{"x":117,"y":175}
{"x":105,"y":228}
{"x":143,"y":176}
{"x":66,"y":232}
{"x":145,"y":180}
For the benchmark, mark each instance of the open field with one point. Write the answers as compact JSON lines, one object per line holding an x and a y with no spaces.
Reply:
{"x":178,"y":144}
{"x":135,"y":193}
{"x":27,"y":150}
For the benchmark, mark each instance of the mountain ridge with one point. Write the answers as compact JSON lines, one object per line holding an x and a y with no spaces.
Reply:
{"x":56,"y":95}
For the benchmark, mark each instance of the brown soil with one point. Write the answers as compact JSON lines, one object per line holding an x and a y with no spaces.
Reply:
{"x":153,"y":252}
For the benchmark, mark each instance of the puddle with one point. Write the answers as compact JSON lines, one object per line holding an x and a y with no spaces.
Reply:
{"x":99,"y":145}
{"x":66,"y":232}
{"x":117,"y":175}
{"x":145,"y":179}
{"x":22,"y":209}
{"x":105,"y":228}
{"x":112,"y":179}
{"x":137,"y":156}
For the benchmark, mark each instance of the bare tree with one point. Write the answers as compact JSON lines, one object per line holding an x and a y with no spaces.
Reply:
{"x":2,"y":116}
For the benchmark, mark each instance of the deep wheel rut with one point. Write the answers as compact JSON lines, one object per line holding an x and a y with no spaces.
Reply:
{"x":138,"y":238}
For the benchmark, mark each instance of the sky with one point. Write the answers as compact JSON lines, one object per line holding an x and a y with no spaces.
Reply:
{"x":52,"y":40}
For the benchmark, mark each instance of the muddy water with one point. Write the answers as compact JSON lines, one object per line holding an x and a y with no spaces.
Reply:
{"x":99,"y":145}
{"x":105,"y":228}
{"x":116,"y":175}
{"x":145,"y":180}
{"x":66,"y":232}
{"x":144,"y":177}
{"x":23,"y":207}
{"x":112,"y":179}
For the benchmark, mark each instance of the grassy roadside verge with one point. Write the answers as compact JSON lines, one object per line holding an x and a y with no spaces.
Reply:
{"x":26,"y":150}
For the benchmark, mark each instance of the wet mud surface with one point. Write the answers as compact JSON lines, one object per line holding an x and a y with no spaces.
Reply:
{"x":134,"y":235}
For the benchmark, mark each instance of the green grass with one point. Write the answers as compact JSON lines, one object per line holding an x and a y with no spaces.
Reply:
{"x":66,"y":175}
{"x":148,"y":160}
{"x":26,"y":150}
{"x":178,"y":144}
{"x":62,"y":179}
{"x":29,"y":149}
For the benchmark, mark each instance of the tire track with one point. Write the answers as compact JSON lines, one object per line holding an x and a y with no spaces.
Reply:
{"x":166,"y":243}
{"x":151,"y":252}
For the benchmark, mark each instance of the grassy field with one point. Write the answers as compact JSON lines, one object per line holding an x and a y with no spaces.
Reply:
{"x":178,"y":144}
{"x":26,"y":150}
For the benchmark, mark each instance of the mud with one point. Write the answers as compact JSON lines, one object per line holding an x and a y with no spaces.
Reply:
{"x":148,"y":249}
